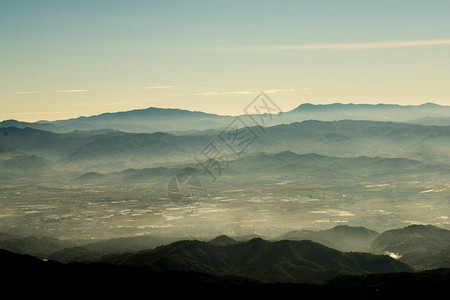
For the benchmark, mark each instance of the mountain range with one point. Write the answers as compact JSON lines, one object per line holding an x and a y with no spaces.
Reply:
{"x":159,"y":119}
{"x":340,"y":138}
{"x":311,"y":254}
{"x":342,"y":237}
{"x":308,"y":168}
{"x":281,"y":261}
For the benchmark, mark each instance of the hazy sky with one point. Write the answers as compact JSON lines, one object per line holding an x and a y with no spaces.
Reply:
{"x":61,"y":59}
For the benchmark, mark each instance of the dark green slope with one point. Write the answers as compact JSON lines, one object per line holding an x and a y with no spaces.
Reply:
{"x":35,"y":277}
{"x":39,"y":247}
{"x":422,"y":246}
{"x":342,"y":237}
{"x":286,"y":261}
{"x":94,"y":251}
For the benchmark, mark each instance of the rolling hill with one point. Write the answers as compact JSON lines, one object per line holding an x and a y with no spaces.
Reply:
{"x":94,"y":251}
{"x":284,"y":261}
{"x":40,"y":247}
{"x":81,"y":279}
{"x":342,"y":237}
{"x":341,"y":138}
{"x":286,"y":165}
{"x":421,"y":246}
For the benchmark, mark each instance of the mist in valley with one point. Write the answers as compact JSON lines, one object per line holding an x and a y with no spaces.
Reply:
{"x":294,"y":147}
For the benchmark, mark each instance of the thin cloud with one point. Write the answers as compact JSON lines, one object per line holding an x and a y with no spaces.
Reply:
{"x":71,"y":91}
{"x":278,"y":91}
{"x":113,"y":103}
{"x":28,"y":92}
{"x":224,"y":93}
{"x":347,"y":46}
{"x":206,"y":94}
{"x":48,"y":112}
{"x":158,"y":87}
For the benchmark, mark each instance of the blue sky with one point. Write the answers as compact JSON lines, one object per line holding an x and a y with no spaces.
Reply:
{"x":62,"y":59}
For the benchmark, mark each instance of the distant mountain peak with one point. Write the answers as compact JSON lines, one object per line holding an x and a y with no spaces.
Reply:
{"x":287,"y":153}
{"x":90,"y":176}
{"x":430,"y":104}
{"x":257,"y":241}
{"x":223,"y":240}
{"x":348,"y":227}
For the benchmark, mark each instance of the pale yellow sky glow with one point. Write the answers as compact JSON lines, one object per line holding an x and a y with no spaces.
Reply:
{"x":70,"y":60}
{"x":347,"y":46}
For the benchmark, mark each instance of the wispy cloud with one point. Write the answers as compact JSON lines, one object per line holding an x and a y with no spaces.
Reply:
{"x":28,"y":92}
{"x":71,"y":91}
{"x":345,"y":46}
{"x":278,"y":91}
{"x":158,"y":87}
{"x":59,"y":91}
{"x":206,"y":94}
{"x":176,"y":94}
{"x":224,"y":93}
{"x":48,"y":112}
{"x":113,"y":103}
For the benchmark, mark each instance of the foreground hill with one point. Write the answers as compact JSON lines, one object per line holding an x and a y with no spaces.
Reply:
{"x":417,"y":245}
{"x":40,"y":247}
{"x":342,"y":237}
{"x":430,"y":284}
{"x":284,"y":261}
{"x":94,"y":251}
{"x":81,"y":279}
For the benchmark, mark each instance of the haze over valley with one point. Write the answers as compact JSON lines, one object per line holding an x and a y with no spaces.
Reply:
{"x":215,"y":147}
{"x":106,"y":183}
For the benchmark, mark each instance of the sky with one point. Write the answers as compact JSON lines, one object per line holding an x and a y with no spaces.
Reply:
{"x":61,"y":59}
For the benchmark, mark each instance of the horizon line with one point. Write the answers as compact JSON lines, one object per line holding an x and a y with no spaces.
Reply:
{"x":171,"y":108}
